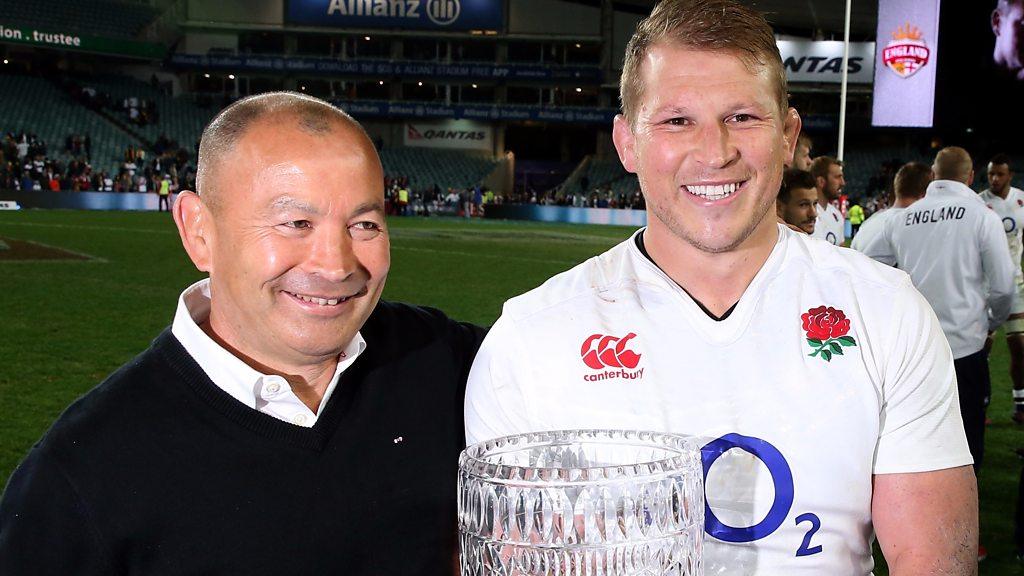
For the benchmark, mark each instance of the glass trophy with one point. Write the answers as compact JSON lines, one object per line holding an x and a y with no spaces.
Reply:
{"x":582,"y":502}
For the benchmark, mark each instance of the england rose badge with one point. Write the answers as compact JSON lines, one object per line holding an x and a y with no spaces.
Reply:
{"x":827,"y":330}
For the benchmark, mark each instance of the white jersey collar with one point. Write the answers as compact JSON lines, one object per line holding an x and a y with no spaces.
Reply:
{"x":266,"y":393}
{"x":950,"y":188}
{"x":729,"y":329}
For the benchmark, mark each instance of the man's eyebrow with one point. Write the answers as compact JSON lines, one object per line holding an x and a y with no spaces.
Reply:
{"x":284,"y":203}
{"x":367,"y":207}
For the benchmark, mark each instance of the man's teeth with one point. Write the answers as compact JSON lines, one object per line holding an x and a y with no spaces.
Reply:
{"x":713,"y":192}
{"x":320,"y":301}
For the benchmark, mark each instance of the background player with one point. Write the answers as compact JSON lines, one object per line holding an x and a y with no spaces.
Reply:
{"x":909,"y":186}
{"x":797,"y":199}
{"x":1008,"y":204}
{"x":802,"y":155}
{"x":828,"y":178}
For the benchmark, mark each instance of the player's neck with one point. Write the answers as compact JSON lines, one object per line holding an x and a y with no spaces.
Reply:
{"x":904,"y":202}
{"x":822,"y":200}
{"x":716,"y":280}
{"x":1003,"y":194}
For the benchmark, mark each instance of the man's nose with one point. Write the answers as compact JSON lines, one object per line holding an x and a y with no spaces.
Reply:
{"x":715,"y":146}
{"x":332,"y":256}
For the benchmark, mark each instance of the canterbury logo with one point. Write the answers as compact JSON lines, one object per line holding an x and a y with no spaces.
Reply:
{"x":600,"y":352}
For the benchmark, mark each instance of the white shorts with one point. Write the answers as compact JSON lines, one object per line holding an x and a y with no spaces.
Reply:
{"x":1018,"y":298}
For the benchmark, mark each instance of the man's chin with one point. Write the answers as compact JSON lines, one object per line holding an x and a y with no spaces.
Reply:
{"x":808,"y":229}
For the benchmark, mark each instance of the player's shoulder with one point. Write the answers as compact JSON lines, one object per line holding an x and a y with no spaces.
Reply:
{"x":600,"y":274}
{"x":813,"y":258}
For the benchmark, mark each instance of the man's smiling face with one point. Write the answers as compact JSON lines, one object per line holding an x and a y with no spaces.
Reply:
{"x":708,"y":144}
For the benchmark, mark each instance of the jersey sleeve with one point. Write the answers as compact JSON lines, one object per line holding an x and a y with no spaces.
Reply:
{"x":45,"y":526}
{"x":878,"y":244}
{"x":495,"y":401}
{"x":920,"y":425}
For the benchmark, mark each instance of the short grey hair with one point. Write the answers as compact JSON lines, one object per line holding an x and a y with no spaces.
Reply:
{"x":953,"y":163}
{"x":311,"y":115}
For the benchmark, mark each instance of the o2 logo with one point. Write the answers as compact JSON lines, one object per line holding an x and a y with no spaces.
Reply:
{"x":1009,"y":224}
{"x":782,"y":478}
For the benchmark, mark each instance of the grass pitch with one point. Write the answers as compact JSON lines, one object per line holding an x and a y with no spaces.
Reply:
{"x":66,"y":324}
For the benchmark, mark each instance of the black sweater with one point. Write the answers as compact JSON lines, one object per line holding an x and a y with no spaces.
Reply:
{"x":158,"y":471}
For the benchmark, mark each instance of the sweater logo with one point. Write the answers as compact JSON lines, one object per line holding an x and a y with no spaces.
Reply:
{"x":827,"y":329}
{"x":611,"y":357}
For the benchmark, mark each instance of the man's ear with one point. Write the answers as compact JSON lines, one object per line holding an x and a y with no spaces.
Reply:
{"x":622,"y":136}
{"x":195,"y":227}
{"x":996,"y":16}
{"x":791,"y":133}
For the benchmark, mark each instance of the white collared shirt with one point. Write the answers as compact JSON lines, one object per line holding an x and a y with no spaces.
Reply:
{"x":268,"y":393}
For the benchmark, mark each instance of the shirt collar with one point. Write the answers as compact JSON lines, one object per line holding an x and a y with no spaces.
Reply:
{"x":226,"y":370}
{"x":951,"y":188}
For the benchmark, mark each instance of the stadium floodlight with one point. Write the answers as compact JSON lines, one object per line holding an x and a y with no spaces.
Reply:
{"x":578,"y":90}
{"x":577,"y":44}
{"x":381,"y":82}
{"x":5,"y":62}
{"x":231,"y":76}
{"x":367,"y":38}
{"x":419,"y":83}
{"x":207,"y":75}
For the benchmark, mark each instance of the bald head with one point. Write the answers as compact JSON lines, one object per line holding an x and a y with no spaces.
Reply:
{"x":953,"y":163}
{"x":308,"y":114}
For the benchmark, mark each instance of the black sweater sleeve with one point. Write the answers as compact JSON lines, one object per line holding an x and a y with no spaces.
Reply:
{"x":45,"y":527}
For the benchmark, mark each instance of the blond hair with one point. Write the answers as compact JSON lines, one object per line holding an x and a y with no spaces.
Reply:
{"x":712,"y":25}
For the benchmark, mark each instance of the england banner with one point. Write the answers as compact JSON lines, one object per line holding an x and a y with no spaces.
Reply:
{"x":905,"y":63}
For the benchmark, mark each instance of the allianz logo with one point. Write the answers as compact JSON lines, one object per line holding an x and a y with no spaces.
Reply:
{"x":440,"y":12}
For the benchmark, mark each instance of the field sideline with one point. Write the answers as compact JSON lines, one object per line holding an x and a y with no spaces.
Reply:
{"x":65,"y":325}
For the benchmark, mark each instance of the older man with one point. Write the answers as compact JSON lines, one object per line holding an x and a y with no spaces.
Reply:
{"x":288,"y":422}
{"x":830,"y":420}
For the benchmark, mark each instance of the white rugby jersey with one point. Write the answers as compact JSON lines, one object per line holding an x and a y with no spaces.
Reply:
{"x":955,"y":251}
{"x":871,"y":231}
{"x":830,"y":225}
{"x":831,"y":368}
{"x":1011,"y":211}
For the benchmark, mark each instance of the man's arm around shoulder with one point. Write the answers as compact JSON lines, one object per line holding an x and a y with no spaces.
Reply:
{"x":927,"y":522}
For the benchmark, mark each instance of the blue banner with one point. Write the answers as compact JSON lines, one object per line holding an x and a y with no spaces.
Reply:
{"x":401,"y":14}
{"x":387,"y":69}
{"x":483,"y":112}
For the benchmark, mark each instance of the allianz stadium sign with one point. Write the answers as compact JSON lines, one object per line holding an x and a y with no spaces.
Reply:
{"x":401,"y":14}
